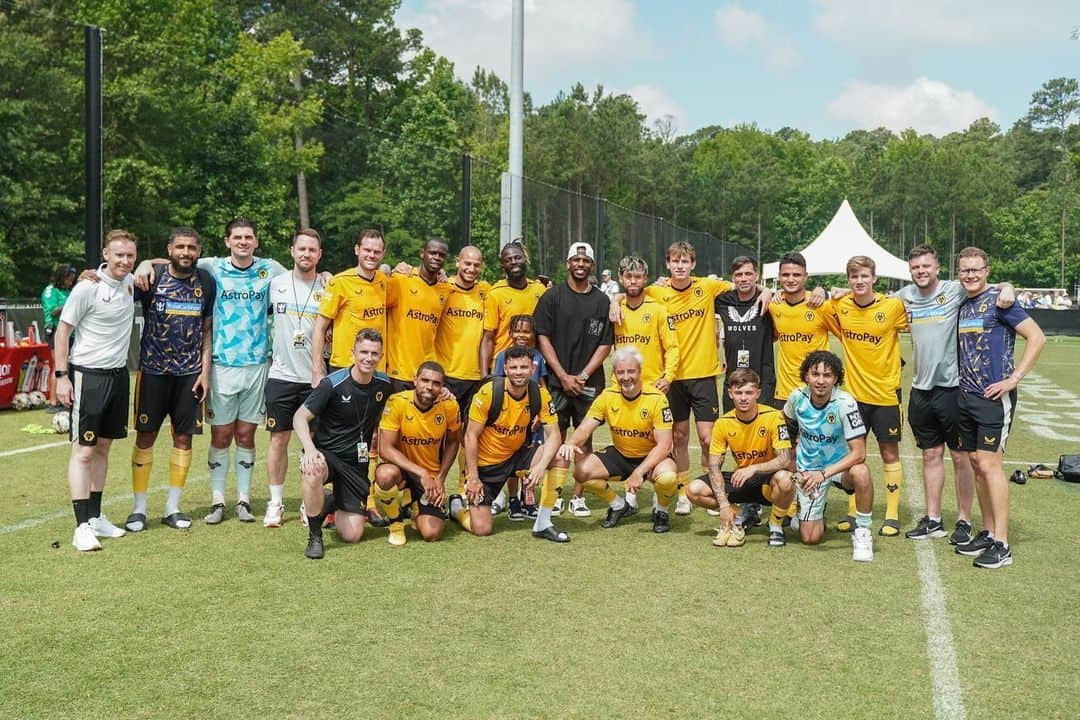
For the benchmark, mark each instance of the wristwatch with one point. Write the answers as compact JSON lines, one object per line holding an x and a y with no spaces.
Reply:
{"x":60,"y":373}
{"x":583,"y":377}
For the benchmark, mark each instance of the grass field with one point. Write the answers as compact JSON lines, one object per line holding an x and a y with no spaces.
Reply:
{"x":232,"y":621}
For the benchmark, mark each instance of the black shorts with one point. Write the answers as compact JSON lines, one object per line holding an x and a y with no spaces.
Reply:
{"x":463,"y":391}
{"x":985,"y":424}
{"x":100,"y":404}
{"x":416,"y":489}
{"x":397,"y":386}
{"x":350,"y":483}
{"x":495,"y":476}
{"x":571,"y":409}
{"x":617,"y":465}
{"x":934,"y":417}
{"x":283,"y":399}
{"x":887,"y":421}
{"x":754,"y":490}
{"x":698,"y":395}
{"x":159,"y":395}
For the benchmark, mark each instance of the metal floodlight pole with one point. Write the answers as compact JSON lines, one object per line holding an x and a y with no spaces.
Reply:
{"x":92,"y":89}
{"x":517,"y":117}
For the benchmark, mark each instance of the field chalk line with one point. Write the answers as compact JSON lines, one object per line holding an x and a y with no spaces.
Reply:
{"x":944,"y":674}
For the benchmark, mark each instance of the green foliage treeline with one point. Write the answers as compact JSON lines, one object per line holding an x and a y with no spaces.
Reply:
{"x":216,"y":108}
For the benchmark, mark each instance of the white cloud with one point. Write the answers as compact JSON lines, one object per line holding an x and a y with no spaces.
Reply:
{"x":740,"y":29}
{"x":656,"y":105}
{"x":928,"y":106}
{"x":890,"y":25}
{"x":559,"y":34}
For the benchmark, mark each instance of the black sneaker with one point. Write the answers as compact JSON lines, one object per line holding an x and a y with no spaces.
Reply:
{"x":976,"y":545}
{"x":660,"y":521}
{"x":776,"y":538}
{"x":925,"y":529}
{"x":314,"y":548}
{"x":530,"y":511}
{"x":515,"y":511}
{"x":962,"y":533}
{"x":749,"y":516}
{"x":995,"y":556}
{"x":614,"y":516}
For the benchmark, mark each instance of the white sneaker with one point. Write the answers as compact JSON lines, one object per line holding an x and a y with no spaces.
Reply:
{"x":84,"y":539}
{"x":275,"y":515}
{"x":631,"y":499}
{"x":862,"y":543}
{"x":557,"y":509}
{"x":499,"y":503}
{"x":683,"y":506}
{"x":713,"y":513}
{"x":102,"y":528}
{"x":579,"y":507}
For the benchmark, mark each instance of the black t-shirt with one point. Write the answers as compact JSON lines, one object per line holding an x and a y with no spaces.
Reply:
{"x":748,"y":338}
{"x":348,"y":412}
{"x":576,"y":324}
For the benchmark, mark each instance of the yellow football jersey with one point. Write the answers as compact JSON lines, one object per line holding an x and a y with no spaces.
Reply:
{"x":353,"y":303}
{"x":691,"y":310}
{"x":413,"y":309}
{"x":421,"y":432}
{"x":500,"y":441}
{"x":870,"y":337}
{"x":457,"y":341}
{"x":649,"y":328}
{"x":798,"y":330}
{"x":753,"y":442}
{"x":632,"y":422}
{"x":503,"y":303}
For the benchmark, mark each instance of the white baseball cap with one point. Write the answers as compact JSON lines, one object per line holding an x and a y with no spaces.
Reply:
{"x":580,"y":248}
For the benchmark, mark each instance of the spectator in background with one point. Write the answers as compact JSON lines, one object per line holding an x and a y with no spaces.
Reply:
{"x":53,"y":298}
{"x":1025,"y":300}
{"x":1061,"y":300}
{"x":1043,"y":302}
{"x":608,"y":286}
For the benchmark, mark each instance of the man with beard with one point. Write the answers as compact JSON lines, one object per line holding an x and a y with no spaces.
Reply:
{"x":514,"y":295}
{"x":174,"y":371}
{"x":461,"y":328}
{"x":640,"y":422}
{"x":348,"y":404}
{"x":500,"y":417}
{"x":644,"y":324}
{"x":414,"y":304}
{"x":354,"y":299}
{"x":294,"y":305}
{"x":574,"y":335}
{"x":799,"y":325}
{"x":419,"y":435}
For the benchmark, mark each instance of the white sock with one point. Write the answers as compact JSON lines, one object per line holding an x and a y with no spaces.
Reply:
{"x":656,"y":504}
{"x":172,"y":500}
{"x":775,"y":528}
{"x":245,"y":466}
{"x":631,"y":497}
{"x":500,"y":499}
{"x":617,"y":504}
{"x":218,"y":460}
{"x":139,"y":505}
{"x":543,"y":519}
{"x":455,"y":505}
{"x":276,"y":494}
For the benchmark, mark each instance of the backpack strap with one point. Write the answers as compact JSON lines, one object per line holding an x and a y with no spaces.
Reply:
{"x":534,"y":401}
{"x":498,"y":389}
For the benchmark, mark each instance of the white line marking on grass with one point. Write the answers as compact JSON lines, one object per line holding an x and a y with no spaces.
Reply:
{"x":33,"y":448}
{"x":59,"y":514}
{"x":948,"y":696}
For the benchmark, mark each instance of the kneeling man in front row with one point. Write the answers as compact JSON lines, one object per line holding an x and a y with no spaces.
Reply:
{"x":641,"y":439}
{"x":758,"y":438}
{"x":831,"y":451}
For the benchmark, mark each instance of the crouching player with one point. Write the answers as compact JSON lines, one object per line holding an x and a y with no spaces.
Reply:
{"x":758,"y":438}
{"x":500,"y":416}
{"x":831,"y":451}
{"x":348,"y":404}
{"x":641,"y":443}
{"x":419,"y":436}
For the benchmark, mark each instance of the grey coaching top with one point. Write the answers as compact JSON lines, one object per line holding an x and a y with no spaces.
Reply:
{"x":932,"y":318}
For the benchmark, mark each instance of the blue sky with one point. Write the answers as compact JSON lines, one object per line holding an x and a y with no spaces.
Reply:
{"x":823,"y":66}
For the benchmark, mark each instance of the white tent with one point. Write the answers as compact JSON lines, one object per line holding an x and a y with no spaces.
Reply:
{"x":841,"y":239}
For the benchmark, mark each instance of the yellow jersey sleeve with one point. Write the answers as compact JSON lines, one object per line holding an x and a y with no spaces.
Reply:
{"x":548,"y":415}
{"x":391,"y":418}
{"x":481,"y":403}
{"x":332,"y":299}
{"x":718,"y":443}
{"x":670,"y":342}
{"x":779,"y":432}
{"x":715,"y":286}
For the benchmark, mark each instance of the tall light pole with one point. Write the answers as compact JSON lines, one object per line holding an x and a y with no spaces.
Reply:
{"x":513,"y":180}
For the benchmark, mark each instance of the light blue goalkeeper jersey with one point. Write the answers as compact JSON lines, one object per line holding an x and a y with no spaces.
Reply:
{"x":823,"y":432}
{"x":241,"y":336}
